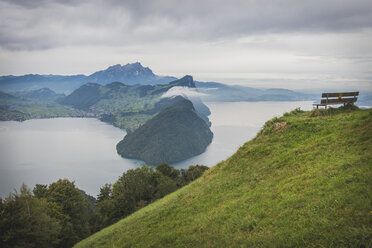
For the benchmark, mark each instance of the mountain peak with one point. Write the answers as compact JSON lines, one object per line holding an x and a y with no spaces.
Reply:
{"x":186,"y":81}
{"x":135,"y":68}
{"x":114,"y":67}
{"x":135,"y":64}
{"x":129,"y":74}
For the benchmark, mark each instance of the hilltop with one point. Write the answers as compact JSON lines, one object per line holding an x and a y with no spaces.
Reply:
{"x":304,"y":181}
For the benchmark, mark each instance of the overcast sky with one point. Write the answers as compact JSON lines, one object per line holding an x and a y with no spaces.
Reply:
{"x":265,"y":43}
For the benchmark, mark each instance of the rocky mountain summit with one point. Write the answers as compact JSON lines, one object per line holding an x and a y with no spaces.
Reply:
{"x":129,"y":74}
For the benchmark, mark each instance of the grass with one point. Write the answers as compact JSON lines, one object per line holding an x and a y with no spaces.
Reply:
{"x":46,"y":110}
{"x":24,"y":110}
{"x":304,"y":181}
{"x":20,"y":109}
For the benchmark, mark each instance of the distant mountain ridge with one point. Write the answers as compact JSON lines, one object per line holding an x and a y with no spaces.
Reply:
{"x":135,"y":73}
{"x":57,"y":83}
{"x":43,"y":94}
{"x":213,"y":91}
{"x":130,"y":74}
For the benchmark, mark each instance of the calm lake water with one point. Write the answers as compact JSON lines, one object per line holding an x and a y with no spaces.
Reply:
{"x":83,"y":150}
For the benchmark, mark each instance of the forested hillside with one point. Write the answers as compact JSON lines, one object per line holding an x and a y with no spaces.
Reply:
{"x":175,"y":134}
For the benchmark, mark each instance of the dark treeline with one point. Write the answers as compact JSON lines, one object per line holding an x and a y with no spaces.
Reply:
{"x":59,"y":215}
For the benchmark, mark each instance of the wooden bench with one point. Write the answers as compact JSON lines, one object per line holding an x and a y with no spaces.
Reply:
{"x":337,"y":98}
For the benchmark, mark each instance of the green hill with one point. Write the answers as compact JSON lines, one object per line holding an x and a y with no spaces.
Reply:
{"x":304,"y":181}
{"x":175,"y":134}
{"x":42,"y":95}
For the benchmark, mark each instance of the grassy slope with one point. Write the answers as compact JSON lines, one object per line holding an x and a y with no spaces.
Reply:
{"x":303,"y":182}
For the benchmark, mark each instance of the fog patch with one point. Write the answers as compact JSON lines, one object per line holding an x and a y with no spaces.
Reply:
{"x":183,"y":91}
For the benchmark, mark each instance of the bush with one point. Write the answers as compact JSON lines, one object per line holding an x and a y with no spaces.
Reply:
{"x":296,"y":111}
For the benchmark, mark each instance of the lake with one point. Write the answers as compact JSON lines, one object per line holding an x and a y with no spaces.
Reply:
{"x":84,"y":149}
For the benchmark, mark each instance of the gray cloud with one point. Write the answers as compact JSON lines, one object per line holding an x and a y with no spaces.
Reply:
{"x":244,"y":16}
{"x":38,"y":3}
{"x":276,"y":43}
{"x":43,"y":24}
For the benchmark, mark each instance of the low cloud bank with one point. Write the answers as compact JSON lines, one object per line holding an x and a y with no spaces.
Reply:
{"x":185,"y":92}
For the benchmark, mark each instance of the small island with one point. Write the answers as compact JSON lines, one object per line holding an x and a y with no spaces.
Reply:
{"x":175,"y":134}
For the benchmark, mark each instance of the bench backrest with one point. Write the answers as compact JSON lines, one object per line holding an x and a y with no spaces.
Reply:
{"x":341,"y":97}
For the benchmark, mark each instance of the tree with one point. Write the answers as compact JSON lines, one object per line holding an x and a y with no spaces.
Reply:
{"x":168,"y":171}
{"x":105,"y":207}
{"x":193,"y":173}
{"x":134,"y":186}
{"x":92,"y":212}
{"x":138,"y":187}
{"x":105,"y":193}
{"x":69,"y":206}
{"x":40,"y":190}
{"x":24,"y":222}
{"x":165,"y":186}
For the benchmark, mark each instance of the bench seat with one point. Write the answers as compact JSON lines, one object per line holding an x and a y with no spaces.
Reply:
{"x":337,"y":98}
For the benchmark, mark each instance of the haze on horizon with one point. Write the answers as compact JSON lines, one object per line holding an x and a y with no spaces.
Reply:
{"x":290,"y":44}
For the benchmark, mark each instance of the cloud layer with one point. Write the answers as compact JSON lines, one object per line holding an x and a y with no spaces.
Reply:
{"x":185,"y":92}
{"x":236,"y":41}
{"x":43,"y":24}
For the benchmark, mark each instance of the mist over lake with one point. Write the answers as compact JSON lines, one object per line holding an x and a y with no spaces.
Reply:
{"x":83,"y":149}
